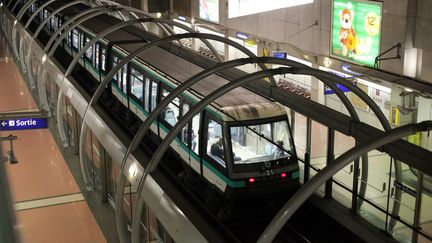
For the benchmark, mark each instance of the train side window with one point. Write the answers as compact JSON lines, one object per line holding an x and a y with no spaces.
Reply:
{"x":103,"y":59}
{"x":75,"y":39}
{"x":114,"y":63}
{"x":185,"y":131}
{"x":153,"y":97}
{"x":215,"y":145}
{"x":82,"y":38}
{"x":97,"y":55}
{"x":171,"y":112}
{"x":147,"y":94}
{"x":195,"y":132}
{"x":68,"y":38}
{"x":89,"y":51}
{"x":191,"y":130}
{"x":137,"y":85}
{"x":124,"y":78}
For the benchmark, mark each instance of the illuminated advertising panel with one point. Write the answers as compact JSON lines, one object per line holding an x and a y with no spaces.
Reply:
{"x":209,"y":10}
{"x":356,"y":31}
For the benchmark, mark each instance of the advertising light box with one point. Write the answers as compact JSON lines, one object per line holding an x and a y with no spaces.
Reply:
{"x":356,"y":31}
{"x":209,"y":10}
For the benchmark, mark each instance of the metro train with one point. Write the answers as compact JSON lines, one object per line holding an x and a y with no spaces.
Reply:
{"x":239,"y":148}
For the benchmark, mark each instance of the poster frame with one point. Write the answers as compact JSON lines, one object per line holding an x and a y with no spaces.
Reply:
{"x":376,"y":64}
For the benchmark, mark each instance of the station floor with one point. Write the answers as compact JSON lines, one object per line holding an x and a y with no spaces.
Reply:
{"x":48,"y":202}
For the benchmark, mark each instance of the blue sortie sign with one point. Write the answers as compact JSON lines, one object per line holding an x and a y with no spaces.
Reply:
{"x":328,"y":91}
{"x":23,"y":124}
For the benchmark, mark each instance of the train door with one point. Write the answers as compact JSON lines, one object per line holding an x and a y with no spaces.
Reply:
{"x":170,"y":115}
{"x":190,"y":136}
{"x":136,"y":92}
{"x":214,"y":151}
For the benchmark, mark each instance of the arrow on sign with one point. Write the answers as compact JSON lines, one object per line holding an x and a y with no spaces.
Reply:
{"x":3,"y":123}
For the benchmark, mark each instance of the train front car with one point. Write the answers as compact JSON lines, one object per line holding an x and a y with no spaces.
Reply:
{"x":260,"y":152}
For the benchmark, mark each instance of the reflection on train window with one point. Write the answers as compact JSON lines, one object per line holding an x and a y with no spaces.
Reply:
{"x":260,"y":143}
{"x":195,"y":133}
{"x":68,"y":38}
{"x":103,"y":59}
{"x":124,"y":79}
{"x":55,"y":23}
{"x":89,"y":51}
{"x":137,"y":83}
{"x":146,"y":95}
{"x":96,"y":59}
{"x":82,"y":37}
{"x":185,"y":131}
{"x":154,"y":89}
{"x":114,"y":63}
{"x":215,"y":145}
{"x":171,"y":112}
{"x":45,"y":13}
{"x":75,"y":39}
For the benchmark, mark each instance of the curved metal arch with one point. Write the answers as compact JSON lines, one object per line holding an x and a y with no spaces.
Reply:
{"x":23,"y":9}
{"x":383,"y":120}
{"x":158,"y":21}
{"x":74,"y":21}
{"x":20,"y":50}
{"x":14,"y":6}
{"x":326,"y":173}
{"x":107,"y":79}
{"x":144,"y":127}
{"x":124,"y":18}
{"x":185,"y":85}
{"x":37,"y":12}
{"x":172,"y":134}
{"x":8,"y":3}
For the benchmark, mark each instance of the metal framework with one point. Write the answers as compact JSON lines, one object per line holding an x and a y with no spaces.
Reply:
{"x":158,"y":154}
{"x":108,"y":77}
{"x":75,"y":61}
{"x":331,"y":80}
{"x":325,"y":174}
{"x":7,"y":222}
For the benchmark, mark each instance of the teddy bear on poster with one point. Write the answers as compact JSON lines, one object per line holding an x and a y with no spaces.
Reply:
{"x":347,"y":35}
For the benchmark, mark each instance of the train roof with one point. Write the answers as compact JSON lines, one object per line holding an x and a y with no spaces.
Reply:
{"x":177,"y":67}
{"x":253,"y":111}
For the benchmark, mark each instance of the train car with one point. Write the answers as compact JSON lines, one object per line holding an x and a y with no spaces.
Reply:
{"x":241,"y":145}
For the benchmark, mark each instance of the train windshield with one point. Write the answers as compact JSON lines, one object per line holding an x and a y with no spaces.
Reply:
{"x":260,"y":142}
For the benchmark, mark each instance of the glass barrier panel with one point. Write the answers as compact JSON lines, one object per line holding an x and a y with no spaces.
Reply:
{"x":342,"y":195}
{"x":378,"y":180}
{"x":373,"y":215}
{"x":318,"y":150}
{"x":426,"y":209}
{"x":406,"y":186}
{"x":342,"y":144}
{"x":319,"y":145}
{"x":299,"y":132}
{"x":402,"y":232}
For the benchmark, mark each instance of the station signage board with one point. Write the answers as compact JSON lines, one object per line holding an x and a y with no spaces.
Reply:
{"x":356,"y":31}
{"x":328,"y":90}
{"x":23,"y":124}
{"x":280,"y":54}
